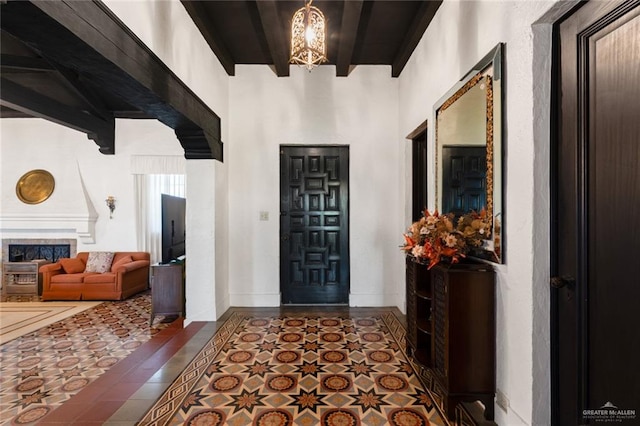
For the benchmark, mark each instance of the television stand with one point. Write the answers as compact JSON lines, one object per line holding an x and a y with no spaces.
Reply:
{"x":167,"y":290}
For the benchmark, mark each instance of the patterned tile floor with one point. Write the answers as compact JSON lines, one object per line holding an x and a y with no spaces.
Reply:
{"x":265,"y":366}
{"x":304,"y":368}
{"x":43,"y":369}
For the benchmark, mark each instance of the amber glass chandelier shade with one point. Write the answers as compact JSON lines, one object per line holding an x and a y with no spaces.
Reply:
{"x":308,"y":30}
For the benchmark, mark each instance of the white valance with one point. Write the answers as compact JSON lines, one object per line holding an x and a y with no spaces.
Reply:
{"x":158,"y":165}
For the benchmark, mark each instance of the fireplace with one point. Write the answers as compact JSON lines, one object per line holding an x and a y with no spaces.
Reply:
{"x":26,"y":250}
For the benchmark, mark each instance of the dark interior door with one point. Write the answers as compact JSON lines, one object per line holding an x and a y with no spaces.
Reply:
{"x":464,"y":171}
{"x":595,"y":315}
{"x":314,"y":224}
{"x":419,"y":166}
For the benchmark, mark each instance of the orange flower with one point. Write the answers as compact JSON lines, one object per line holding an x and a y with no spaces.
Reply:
{"x":408,"y":243}
{"x":436,"y":238}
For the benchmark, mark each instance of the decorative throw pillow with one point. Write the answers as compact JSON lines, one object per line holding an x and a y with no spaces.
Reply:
{"x":72,"y":266}
{"x":121,"y":261}
{"x":99,"y":261}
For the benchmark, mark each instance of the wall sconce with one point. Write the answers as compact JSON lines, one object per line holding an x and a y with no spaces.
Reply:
{"x":111,"y":203}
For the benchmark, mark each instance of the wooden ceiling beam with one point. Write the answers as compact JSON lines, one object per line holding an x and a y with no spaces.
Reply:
{"x":73,"y":81}
{"x":27,"y":101}
{"x":94,"y":23}
{"x":195,"y":142}
{"x":272,"y":28}
{"x":348,"y":33}
{"x":417,"y":28}
{"x":24,"y":63}
{"x":200,"y":17}
{"x":89,"y":39}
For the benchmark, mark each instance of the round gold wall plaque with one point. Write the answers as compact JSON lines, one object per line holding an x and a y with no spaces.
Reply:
{"x":35,"y":186}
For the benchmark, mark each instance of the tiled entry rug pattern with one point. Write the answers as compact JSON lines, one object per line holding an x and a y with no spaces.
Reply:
{"x":302,"y":370}
{"x":41,"y":370}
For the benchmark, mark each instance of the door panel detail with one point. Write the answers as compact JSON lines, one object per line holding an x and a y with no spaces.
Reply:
{"x":314,"y":259}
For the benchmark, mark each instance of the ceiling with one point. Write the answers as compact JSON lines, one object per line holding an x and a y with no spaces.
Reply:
{"x":371,"y":32}
{"x":75,"y":63}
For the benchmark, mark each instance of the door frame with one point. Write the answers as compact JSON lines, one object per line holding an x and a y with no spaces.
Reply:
{"x":348,"y":221}
{"x":419,"y":170}
{"x":580,"y":375}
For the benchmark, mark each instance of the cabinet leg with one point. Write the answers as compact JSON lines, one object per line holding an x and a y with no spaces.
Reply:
{"x":451,"y":402}
{"x":488,"y":406}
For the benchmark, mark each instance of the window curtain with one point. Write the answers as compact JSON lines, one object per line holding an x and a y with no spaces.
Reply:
{"x":153,"y":176}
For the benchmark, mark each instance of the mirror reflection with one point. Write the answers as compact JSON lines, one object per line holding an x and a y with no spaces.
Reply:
{"x":462,"y":150}
{"x":468,"y":149}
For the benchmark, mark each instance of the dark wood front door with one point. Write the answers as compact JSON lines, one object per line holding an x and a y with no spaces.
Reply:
{"x":464,"y":172}
{"x":314,"y":224}
{"x":595,"y":313}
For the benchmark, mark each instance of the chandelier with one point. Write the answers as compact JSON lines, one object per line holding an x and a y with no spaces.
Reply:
{"x":308,"y":30}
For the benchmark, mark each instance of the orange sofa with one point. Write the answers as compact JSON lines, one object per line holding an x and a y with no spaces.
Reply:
{"x":125,"y":278}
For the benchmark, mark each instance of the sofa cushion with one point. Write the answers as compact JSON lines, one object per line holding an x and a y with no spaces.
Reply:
{"x":117,"y":261}
{"x":107,"y":277}
{"x":72,"y":266}
{"x":70,"y":278}
{"x":99,"y":261}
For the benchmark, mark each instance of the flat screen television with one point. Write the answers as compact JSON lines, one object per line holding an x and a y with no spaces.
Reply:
{"x":174,"y":214}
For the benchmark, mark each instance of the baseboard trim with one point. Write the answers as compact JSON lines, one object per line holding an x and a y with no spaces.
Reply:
{"x":273,"y":299}
{"x":222,"y":306}
{"x":254,"y":300}
{"x":372,"y":300}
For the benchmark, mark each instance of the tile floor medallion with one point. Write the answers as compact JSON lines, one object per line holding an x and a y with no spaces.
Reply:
{"x":302,"y":370}
{"x":41,"y":370}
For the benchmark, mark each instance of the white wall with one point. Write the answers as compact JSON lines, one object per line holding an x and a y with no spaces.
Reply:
{"x":458,"y":37}
{"x":166,"y":28}
{"x":32,"y":143}
{"x":360,"y":111}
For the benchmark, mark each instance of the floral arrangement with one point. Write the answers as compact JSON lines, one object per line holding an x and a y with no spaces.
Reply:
{"x":435,"y":238}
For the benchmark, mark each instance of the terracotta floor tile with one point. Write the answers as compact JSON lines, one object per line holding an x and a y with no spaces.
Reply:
{"x":70,"y":412}
{"x":121,"y":391}
{"x":98,"y":412}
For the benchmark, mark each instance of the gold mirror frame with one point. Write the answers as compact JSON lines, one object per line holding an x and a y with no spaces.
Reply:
{"x":35,"y":186}
{"x":489,"y":71}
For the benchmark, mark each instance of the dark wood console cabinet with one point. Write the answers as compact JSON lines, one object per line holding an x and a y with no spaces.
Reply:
{"x":464,"y":335}
{"x":167,"y":290}
{"x":419,"y":312}
{"x":451,"y":331}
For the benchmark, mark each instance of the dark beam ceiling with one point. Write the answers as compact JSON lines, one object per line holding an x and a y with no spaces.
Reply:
{"x":75,"y":63}
{"x":359,"y":32}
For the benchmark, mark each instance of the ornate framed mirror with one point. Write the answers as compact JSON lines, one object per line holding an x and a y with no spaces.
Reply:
{"x":469,"y":145}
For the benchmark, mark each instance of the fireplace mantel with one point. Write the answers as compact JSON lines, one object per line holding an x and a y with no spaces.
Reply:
{"x":81,"y":226}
